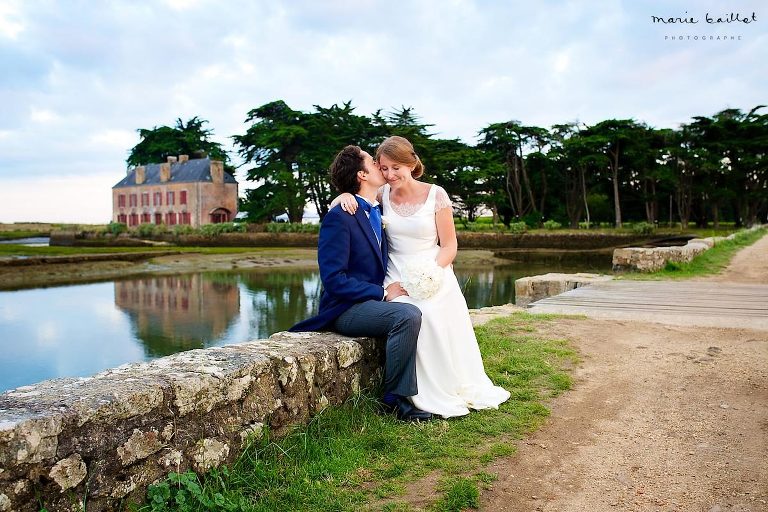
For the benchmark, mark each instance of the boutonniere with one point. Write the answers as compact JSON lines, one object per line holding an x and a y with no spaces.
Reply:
{"x":384,"y":222}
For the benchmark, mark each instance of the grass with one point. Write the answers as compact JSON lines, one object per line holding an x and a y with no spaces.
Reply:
{"x":713,"y":261}
{"x":352,"y":458}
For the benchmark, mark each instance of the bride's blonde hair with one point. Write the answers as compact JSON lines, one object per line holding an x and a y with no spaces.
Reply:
{"x":400,"y":150}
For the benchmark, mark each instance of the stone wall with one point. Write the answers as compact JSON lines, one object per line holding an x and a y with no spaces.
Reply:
{"x":533,"y":288}
{"x":652,"y":259}
{"x":467,"y":240}
{"x":109,"y":436}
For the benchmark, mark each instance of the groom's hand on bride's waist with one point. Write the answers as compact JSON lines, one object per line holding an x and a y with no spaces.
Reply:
{"x":394,"y":290}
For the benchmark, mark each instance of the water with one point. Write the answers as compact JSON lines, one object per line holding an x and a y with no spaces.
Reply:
{"x":79,"y":330}
{"x":38,"y":241}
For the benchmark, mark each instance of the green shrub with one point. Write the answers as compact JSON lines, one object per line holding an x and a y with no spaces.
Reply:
{"x":518,"y":227}
{"x":292,"y":227}
{"x":183,"y":229}
{"x":586,"y":225}
{"x":643,"y":228}
{"x":116,"y":228}
{"x":147,"y":229}
{"x":213,"y":230}
{"x":532,"y":220}
{"x":552,"y":224}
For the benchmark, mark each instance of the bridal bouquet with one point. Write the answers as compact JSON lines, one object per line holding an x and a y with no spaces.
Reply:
{"x":422,"y":278}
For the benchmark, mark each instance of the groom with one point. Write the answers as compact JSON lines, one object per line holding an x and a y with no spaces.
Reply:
{"x":352,"y":253}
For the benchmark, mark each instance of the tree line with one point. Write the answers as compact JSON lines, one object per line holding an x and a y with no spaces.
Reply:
{"x":709,"y":170}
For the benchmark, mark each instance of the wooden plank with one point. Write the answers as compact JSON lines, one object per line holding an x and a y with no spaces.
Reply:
{"x":721,"y":301}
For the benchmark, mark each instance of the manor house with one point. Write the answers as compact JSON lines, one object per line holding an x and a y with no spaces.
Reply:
{"x":179,"y":191}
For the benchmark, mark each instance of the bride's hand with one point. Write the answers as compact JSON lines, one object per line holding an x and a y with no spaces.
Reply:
{"x":348,"y":203}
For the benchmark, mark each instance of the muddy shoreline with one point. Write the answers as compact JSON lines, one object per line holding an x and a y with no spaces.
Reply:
{"x":80,"y":269}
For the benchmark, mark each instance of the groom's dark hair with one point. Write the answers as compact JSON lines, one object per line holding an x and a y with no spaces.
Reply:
{"x":344,"y":169}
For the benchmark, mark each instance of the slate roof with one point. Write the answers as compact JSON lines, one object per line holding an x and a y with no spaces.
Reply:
{"x":195,"y":170}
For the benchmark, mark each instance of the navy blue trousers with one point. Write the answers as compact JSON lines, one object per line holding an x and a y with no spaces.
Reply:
{"x":399,"y":323}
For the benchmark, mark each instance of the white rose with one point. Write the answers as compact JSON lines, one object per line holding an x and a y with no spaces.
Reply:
{"x":422,"y":278}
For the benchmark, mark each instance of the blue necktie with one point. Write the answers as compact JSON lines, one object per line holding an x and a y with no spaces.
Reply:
{"x":374,"y":216}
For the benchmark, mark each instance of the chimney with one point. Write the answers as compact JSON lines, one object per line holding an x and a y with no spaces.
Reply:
{"x":183,"y":158}
{"x":141,"y":175}
{"x":171,"y":159}
{"x":165,"y":172}
{"x":217,"y":171}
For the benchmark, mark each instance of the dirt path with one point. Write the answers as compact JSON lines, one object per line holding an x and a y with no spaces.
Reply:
{"x":661,"y":418}
{"x":750,"y":265}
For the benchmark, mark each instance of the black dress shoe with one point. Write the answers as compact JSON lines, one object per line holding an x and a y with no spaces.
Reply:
{"x":406,"y":411}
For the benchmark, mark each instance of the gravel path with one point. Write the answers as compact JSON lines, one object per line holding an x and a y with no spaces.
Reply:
{"x":661,"y":418}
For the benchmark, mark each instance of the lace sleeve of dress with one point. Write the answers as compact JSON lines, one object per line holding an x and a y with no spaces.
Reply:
{"x":441,"y":199}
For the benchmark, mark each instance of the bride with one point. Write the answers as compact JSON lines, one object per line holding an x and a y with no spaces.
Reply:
{"x":418,"y":222}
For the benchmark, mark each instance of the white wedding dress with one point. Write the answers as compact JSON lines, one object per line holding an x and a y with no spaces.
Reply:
{"x":449,"y":368}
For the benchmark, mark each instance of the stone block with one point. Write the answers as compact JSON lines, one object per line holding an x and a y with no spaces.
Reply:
{"x":69,"y":472}
{"x":209,"y":453}
{"x":643,"y":259}
{"x":533,"y":288}
{"x":139,"y":446}
{"x":709,"y":242}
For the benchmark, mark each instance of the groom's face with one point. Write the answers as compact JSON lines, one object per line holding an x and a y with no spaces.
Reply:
{"x":373,"y":172}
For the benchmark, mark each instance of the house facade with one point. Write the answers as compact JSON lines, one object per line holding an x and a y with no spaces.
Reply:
{"x":177,"y":192}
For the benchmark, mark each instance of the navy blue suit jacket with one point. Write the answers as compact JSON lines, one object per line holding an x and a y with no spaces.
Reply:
{"x":352,"y":266}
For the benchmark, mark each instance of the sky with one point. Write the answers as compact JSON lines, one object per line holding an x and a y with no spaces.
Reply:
{"x":80,"y":77}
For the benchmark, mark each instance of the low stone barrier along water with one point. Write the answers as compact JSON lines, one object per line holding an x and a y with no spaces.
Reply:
{"x":467,"y":240}
{"x":653,"y":259}
{"x":106,"y":438}
{"x":533,"y":288}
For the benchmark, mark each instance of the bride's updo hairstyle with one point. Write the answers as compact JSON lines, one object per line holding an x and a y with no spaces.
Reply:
{"x":399,"y":150}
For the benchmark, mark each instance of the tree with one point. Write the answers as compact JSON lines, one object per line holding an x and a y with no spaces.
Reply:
{"x":510,"y":143}
{"x":290,"y":153}
{"x":272,"y":145}
{"x":612,"y":138}
{"x":188,"y":138}
{"x":460,"y":170}
{"x":574,"y":157}
{"x":329,"y":130}
{"x":734,"y":146}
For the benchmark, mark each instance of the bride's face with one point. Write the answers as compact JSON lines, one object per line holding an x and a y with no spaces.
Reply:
{"x":395,"y":173}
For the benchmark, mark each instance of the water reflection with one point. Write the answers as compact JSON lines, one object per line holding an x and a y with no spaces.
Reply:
{"x":72,"y":331}
{"x":491,"y":286}
{"x":280,"y":299}
{"x":171,"y":314}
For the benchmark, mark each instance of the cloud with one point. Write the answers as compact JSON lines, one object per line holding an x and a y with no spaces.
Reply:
{"x":118,"y":139}
{"x":76,"y":89}
{"x":58,"y":199}
{"x":44,"y":116}
{"x":11,"y":24}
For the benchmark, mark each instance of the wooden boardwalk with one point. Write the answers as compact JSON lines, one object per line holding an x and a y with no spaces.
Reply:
{"x":704,"y":303}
